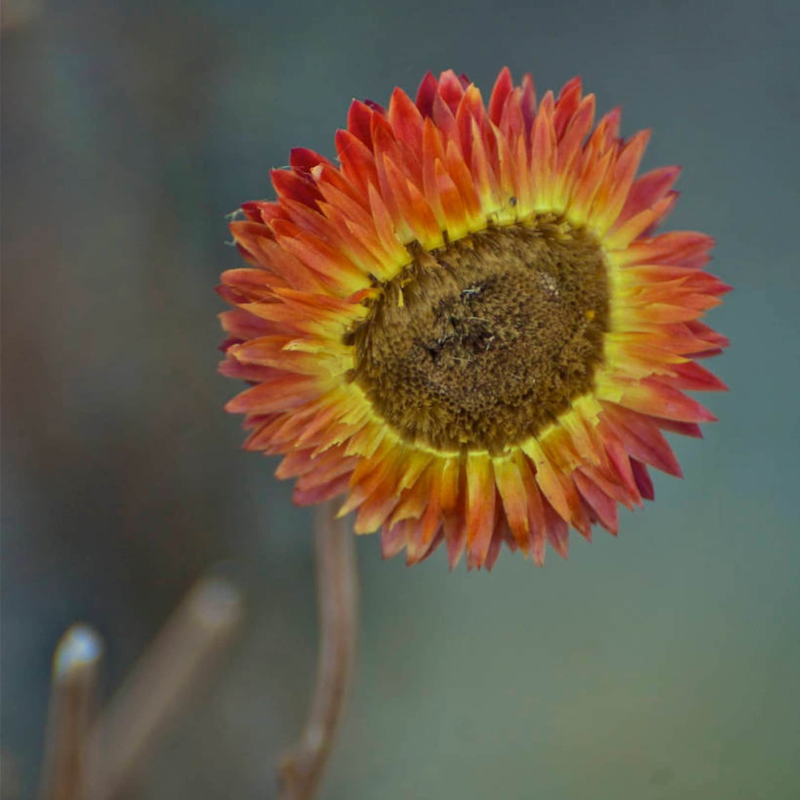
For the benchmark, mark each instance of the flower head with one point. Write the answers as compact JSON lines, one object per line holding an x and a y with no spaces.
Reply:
{"x":468,"y":326}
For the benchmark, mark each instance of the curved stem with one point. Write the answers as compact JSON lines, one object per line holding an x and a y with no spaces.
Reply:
{"x":301,"y":769}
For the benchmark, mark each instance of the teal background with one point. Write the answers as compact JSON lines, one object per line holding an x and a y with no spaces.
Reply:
{"x":664,"y":665}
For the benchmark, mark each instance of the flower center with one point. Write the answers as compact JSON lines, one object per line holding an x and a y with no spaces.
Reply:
{"x":481,"y":344}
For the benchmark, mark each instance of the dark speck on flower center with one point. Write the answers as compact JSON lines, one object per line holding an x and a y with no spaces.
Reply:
{"x":481,"y":344}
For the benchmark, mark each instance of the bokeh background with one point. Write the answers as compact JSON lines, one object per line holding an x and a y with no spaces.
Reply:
{"x":662,"y":665}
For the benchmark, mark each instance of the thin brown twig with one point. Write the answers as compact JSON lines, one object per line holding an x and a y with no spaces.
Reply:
{"x":301,"y":768}
{"x":73,"y":697}
{"x":160,"y":685}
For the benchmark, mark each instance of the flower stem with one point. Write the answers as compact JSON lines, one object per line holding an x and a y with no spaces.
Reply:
{"x":161,"y":684}
{"x":301,"y":768}
{"x":76,"y":667}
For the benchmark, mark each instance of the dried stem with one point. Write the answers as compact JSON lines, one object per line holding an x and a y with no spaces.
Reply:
{"x":301,"y":769}
{"x":73,"y":697}
{"x":160,"y":684}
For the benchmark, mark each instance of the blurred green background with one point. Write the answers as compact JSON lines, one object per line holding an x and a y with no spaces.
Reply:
{"x":663,"y":665}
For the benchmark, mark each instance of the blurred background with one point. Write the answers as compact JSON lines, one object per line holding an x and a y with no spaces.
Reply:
{"x":663,"y":665}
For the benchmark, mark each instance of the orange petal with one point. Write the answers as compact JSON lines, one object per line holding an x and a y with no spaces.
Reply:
{"x":481,"y":497}
{"x":512,"y":492}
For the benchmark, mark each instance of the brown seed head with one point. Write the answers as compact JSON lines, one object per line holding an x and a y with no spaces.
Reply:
{"x":482,"y":343}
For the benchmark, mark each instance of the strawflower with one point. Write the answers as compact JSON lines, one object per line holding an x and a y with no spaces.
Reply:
{"x":468,"y":326}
